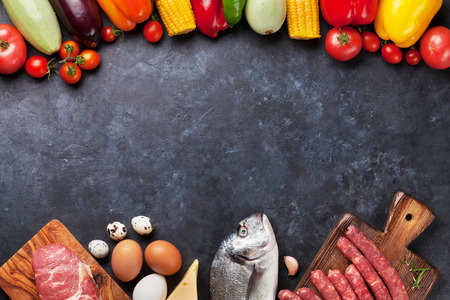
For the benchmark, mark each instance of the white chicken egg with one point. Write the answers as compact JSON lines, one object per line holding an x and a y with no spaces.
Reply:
{"x":142,"y":225}
{"x":151,"y":287}
{"x":116,"y":231}
{"x":98,"y":248}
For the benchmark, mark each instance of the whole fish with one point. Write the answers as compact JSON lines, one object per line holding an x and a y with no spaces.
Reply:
{"x":246,"y":265}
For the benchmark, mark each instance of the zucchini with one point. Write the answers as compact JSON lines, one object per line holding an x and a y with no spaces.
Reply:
{"x":37,"y":22}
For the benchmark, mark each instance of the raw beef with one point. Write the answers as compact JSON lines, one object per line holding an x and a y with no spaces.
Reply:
{"x":60,"y":274}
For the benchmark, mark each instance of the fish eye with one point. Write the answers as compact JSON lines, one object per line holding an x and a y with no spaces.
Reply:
{"x":242,"y":232}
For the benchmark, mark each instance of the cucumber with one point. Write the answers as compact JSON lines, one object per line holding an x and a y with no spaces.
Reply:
{"x":37,"y":22}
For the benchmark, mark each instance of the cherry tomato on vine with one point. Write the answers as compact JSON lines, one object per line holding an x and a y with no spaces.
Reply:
{"x":89,"y":60}
{"x":391,"y":53}
{"x":64,"y":50}
{"x":343,"y":43}
{"x":370,"y":41}
{"x":153,"y":31}
{"x":412,"y":57}
{"x":109,"y":33}
{"x":13,"y":50}
{"x":36,"y":66}
{"x":70,"y":75}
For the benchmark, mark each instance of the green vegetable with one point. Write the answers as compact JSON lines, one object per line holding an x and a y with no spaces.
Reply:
{"x":232,"y":10}
{"x":418,"y":271}
{"x":37,"y":22}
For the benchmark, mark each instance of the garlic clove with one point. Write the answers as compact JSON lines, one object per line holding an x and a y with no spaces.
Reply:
{"x":291,"y":264}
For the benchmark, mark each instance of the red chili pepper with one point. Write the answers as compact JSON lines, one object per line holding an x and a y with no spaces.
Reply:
{"x":348,"y":12}
{"x":209,"y":16}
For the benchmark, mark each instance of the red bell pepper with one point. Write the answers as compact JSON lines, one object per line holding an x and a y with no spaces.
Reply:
{"x":209,"y":16}
{"x":348,"y":12}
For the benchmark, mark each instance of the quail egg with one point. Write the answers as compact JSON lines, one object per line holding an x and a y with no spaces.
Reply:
{"x":98,"y":248}
{"x":116,"y":231}
{"x":142,"y":225}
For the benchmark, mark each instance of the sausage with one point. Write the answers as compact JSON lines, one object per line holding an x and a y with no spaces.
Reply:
{"x":357,"y":283}
{"x":307,"y":294}
{"x":342,"y":285}
{"x":379,"y":261}
{"x":324,"y":285}
{"x":288,"y":295}
{"x":365,"y":268}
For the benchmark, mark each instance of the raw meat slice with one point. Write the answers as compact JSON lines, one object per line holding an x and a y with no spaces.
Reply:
{"x":61,"y":275}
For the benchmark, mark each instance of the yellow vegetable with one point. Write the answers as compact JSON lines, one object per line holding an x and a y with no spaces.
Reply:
{"x":303,"y":19}
{"x":177,"y":16}
{"x":404,"y":21}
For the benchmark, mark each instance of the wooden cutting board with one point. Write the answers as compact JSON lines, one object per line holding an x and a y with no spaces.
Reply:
{"x":407,"y":219}
{"x":17,"y":277}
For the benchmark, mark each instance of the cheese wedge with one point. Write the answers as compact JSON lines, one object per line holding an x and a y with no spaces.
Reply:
{"x":187,"y":288}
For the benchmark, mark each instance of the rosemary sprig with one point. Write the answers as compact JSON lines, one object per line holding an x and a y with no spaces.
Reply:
{"x":418,"y":271}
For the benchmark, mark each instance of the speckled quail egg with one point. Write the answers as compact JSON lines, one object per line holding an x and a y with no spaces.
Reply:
{"x":142,"y":225}
{"x":98,"y":248}
{"x":116,"y":231}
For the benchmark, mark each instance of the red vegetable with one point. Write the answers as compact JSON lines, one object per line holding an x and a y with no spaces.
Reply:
{"x":36,"y":66}
{"x":13,"y":50}
{"x":90,"y":59}
{"x":435,"y":47}
{"x":412,"y":57}
{"x":153,"y":31}
{"x":69,"y":73}
{"x":391,"y":53}
{"x":209,"y":16}
{"x":69,"y":46}
{"x":348,"y":12}
{"x":343,"y":43}
{"x":370,"y":41}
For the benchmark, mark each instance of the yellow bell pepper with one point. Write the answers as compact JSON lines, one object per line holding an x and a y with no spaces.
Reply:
{"x":404,"y":21}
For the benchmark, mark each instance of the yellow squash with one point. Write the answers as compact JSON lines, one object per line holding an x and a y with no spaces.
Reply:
{"x":404,"y":21}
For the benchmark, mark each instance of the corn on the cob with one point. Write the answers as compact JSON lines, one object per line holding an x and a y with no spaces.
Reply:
{"x":303,"y":19}
{"x":177,"y":16}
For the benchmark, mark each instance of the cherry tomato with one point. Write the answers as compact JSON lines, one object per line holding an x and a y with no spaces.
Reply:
{"x":70,"y":75}
{"x":370,"y":41}
{"x":391,"y":53}
{"x":412,"y":57}
{"x":36,"y":66}
{"x":343,"y":43}
{"x":435,"y":47}
{"x":13,"y":50}
{"x":66,"y":46}
{"x":109,"y":34}
{"x":153,"y":31}
{"x":90,"y":60}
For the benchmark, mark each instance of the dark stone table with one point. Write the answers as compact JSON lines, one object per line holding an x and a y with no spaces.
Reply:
{"x":198,"y":133}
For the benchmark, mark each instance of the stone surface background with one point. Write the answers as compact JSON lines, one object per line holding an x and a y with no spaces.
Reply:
{"x":199,"y":133}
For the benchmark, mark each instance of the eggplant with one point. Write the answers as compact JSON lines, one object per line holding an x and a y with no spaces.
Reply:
{"x":82,"y":19}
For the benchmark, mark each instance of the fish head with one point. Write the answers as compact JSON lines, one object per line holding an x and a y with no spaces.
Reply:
{"x":252,"y":239}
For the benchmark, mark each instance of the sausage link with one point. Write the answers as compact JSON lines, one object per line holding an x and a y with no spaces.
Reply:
{"x":379,"y":261}
{"x":357,"y":283}
{"x":307,"y":294}
{"x":288,"y":295}
{"x":342,"y":285}
{"x":365,"y":268}
{"x":324,"y":285}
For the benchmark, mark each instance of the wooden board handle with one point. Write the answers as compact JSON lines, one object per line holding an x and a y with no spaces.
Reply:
{"x":407,"y":219}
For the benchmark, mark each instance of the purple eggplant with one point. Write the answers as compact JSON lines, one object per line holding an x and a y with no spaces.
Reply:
{"x":82,"y":19}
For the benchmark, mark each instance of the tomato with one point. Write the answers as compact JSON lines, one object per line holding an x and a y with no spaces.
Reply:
{"x":412,"y":57}
{"x":391,"y":53}
{"x":343,"y":43}
{"x":163,"y":257}
{"x":153,"y":31}
{"x":109,"y":33}
{"x":36,"y":66}
{"x":370,"y":41}
{"x":13,"y":50}
{"x":70,"y":75}
{"x":435,"y":47}
{"x":69,"y":46}
{"x":90,"y":60}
